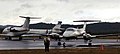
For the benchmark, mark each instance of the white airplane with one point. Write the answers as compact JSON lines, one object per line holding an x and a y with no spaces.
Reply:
{"x":10,"y":32}
{"x":56,"y":31}
{"x":75,"y":33}
{"x":53,"y":33}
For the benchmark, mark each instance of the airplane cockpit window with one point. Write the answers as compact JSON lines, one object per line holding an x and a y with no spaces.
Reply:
{"x":70,"y":30}
{"x":57,"y":29}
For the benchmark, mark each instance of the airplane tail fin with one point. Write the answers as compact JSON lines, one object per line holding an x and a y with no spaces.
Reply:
{"x":57,"y":28}
{"x":27,"y":21}
{"x":84,"y":26}
{"x":85,"y":23}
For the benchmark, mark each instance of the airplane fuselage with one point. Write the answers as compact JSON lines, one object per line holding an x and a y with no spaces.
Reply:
{"x":15,"y":31}
{"x":73,"y":32}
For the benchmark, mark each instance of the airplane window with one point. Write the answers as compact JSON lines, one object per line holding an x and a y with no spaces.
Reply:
{"x":57,"y":29}
{"x":70,"y":29}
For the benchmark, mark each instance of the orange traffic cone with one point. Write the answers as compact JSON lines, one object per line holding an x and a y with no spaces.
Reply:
{"x":102,"y":47}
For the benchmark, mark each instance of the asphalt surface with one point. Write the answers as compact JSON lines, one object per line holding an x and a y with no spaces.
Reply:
{"x":39,"y":44}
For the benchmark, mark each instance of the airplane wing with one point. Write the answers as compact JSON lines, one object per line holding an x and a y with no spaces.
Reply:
{"x":31,"y":35}
{"x":24,"y":35}
{"x":5,"y":35}
{"x":98,"y":36}
{"x":50,"y":35}
{"x":105,"y":35}
{"x":37,"y":35}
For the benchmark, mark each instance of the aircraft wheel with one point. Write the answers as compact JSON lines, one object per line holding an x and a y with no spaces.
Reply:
{"x":9,"y":38}
{"x":90,"y":43}
{"x":6,"y":38}
{"x":40,"y":38}
{"x":20,"y":38}
{"x":59,"y":43}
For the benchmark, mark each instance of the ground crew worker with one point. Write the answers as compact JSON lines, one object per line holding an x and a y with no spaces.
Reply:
{"x":46,"y":43}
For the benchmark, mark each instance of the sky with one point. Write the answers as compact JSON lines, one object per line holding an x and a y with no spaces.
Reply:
{"x":52,"y":11}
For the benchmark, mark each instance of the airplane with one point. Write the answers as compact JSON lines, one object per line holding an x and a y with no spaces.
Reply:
{"x":75,"y":33}
{"x":13,"y":31}
{"x":52,"y":33}
{"x":56,"y":31}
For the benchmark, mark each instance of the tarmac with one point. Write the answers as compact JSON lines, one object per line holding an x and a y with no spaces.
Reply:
{"x":39,"y":44}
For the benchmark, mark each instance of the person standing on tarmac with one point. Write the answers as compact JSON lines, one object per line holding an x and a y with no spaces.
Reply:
{"x":47,"y":43}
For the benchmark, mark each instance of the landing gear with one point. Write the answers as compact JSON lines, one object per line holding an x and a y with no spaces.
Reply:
{"x":9,"y":38}
{"x":88,"y":40}
{"x":90,"y":43}
{"x":85,"y":41}
{"x":39,"y":37}
{"x":59,"y":42}
{"x":20,"y":38}
{"x":6,"y":38}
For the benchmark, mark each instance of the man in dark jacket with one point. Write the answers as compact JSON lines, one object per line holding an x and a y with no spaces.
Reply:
{"x":46,"y":43}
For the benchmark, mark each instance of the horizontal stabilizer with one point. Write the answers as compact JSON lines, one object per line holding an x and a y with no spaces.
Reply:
{"x":30,"y":17}
{"x":87,"y":21}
